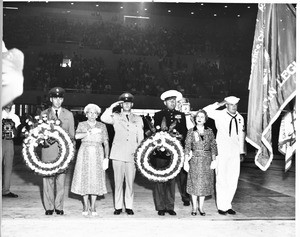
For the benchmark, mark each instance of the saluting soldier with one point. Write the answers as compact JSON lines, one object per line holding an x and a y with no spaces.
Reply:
{"x":51,"y":201}
{"x":164,"y":192}
{"x":129,"y":134}
{"x":231,"y":150}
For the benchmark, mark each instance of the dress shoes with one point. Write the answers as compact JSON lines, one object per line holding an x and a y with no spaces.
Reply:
{"x":231,"y":212}
{"x":129,"y":211}
{"x":117,"y":211}
{"x":161,"y":212}
{"x":171,"y":212}
{"x":49,"y":212}
{"x":186,"y":203}
{"x":10,"y":195}
{"x":193,"y":213}
{"x":202,"y":213}
{"x":59,"y":212}
{"x":222,"y":212}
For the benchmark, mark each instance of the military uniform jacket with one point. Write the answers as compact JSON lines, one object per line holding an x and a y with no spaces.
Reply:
{"x":170,"y":117}
{"x":129,"y":134}
{"x":67,"y":123}
{"x":230,"y":139}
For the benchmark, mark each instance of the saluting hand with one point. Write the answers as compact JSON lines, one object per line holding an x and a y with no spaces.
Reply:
{"x":113,"y":105}
{"x":222,"y":103}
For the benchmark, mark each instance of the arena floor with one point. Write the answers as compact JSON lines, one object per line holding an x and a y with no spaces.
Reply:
{"x":265,"y":205}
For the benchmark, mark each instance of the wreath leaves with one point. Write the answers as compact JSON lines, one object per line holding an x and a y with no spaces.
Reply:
{"x":160,"y":141}
{"x":44,"y":133}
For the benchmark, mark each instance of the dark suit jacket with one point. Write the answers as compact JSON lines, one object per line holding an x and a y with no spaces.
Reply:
{"x":51,"y":153}
{"x":161,"y":160}
{"x":172,"y":116}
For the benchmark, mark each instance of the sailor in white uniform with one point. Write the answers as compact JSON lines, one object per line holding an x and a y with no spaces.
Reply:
{"x":231,"y":150}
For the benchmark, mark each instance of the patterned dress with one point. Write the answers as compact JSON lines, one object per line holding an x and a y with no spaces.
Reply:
{"x":200,"y":180}
{"x":89,"y":176}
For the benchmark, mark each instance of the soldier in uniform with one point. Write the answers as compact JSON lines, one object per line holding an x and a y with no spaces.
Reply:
{"x":164,"y":192}
{"x":10,"y":122}
{"x":231,"y":150}
{"x":129,"y":134}
{"x":54,"y":202}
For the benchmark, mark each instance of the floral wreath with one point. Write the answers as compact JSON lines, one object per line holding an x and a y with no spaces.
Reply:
{"x":45,"y":133}
{"x":160,"y":141}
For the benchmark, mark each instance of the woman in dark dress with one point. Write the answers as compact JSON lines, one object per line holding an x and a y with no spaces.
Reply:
{"x":200,"y":140}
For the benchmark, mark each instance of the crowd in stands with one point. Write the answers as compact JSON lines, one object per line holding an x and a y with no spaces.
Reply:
{"x":85,"y":75}
{"x":89,"y":75}
{"x":122,"y":38}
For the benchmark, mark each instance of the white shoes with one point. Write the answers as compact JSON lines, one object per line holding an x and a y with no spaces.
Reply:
{"x":94,"y":213}
{"x":85,"y":213}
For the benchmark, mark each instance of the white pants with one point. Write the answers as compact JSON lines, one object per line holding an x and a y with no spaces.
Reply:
{"x":227,"y":176}
{"x":124,"y":170}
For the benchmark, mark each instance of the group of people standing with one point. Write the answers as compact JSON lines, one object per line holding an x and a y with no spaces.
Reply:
{"x":203,"y":155}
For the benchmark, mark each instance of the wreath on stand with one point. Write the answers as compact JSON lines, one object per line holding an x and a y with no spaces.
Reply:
{"x":44,"y":133}
{"x":161,"y":143}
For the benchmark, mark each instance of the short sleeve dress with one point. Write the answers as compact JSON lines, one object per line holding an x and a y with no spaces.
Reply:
{"x":89,"y":176}
{"x":200,"y":181}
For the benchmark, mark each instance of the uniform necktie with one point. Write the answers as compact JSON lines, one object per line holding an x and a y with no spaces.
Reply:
{"x":56,"y":113}
{"x":230,"y":124}
{"x":127,"y":117}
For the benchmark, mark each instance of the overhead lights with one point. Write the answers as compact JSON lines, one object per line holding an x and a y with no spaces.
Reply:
{"x":169,"y":11}
{"x":238,"y":15}
{"x":225,"y":6}
{"x":215,"y":15}
{"x":192,"y":13}
{"x":202,"y":4}
{"x":72,"y":3}
{"x":248,"y":7}
{"x":11,"y":8}
{"x":97,"y":5}
{"x":121,"y":7}
{"x":137,"y":17}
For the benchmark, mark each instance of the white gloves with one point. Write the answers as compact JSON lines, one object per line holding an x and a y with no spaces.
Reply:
{"x":213,"y":165}
{"x":186,"y":165}
{"x":105,"y":163}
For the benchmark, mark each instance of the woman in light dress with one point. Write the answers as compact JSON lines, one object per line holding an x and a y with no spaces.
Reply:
{"x":89,"y":173}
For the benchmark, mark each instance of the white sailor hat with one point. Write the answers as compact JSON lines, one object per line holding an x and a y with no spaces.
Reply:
{"x":171,"y":93}
{"x":232,"y":100}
